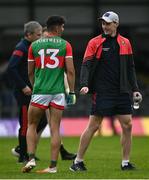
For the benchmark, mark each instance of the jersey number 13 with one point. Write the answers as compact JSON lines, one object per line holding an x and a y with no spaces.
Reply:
{"x":52,"y":53}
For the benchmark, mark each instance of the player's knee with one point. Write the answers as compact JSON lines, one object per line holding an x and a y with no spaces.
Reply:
{"x":93,"y":128}
{"x":127,"y":126}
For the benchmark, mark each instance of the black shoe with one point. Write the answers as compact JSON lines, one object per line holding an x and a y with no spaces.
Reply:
{"x":65,"y":155}
{"x":37,"y":159}
{"x":128,"y":167}
{"x":68,"y":156}
{"x":16,"y":151}
{"x":26,"y":158}
{"x":22,"y":160}
{"x":80,"y":166}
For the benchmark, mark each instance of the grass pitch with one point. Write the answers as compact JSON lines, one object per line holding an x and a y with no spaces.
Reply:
{"x":102,"y":160}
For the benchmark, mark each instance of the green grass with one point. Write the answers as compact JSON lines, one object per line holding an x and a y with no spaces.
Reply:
{"x":102,"y":159}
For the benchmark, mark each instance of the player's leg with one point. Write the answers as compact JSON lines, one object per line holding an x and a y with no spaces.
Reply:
{"x":124,"y":114}
{"x":16,"y":151}
{"x":93,"y":125}
{"x":34,"y":116}
{"x":41,"y":126}
{"x":65,"y":155}
{"x":126,"y":125}
{"x":85,"y":139}
{"x":56,"y":107}
{"x":54,"y":122}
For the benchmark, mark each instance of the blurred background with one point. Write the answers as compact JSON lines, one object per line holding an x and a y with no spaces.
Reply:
{"x":81,"y":25}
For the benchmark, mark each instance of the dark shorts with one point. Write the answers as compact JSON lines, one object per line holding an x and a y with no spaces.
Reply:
{"x":120,"y":104}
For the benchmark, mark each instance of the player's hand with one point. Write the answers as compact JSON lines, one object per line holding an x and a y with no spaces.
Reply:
{"x":27,"y":91}
{"x":71,"y":99}
{"x":137,"y":97}
{"x":84,"y":90}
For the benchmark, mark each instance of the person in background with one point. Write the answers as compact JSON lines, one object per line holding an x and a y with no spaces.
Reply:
{"x":108,"y":73}
{"x":48,"y":57}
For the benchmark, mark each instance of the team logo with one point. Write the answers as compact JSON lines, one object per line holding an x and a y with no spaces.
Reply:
{"x":105,"y":49}
{"x":107,"y":14}
{"x":123,"y":43}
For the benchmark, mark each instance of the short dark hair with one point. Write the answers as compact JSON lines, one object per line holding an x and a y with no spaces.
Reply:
{"x":53,"y":21}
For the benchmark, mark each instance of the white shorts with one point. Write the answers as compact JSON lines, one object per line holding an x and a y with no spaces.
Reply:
{"x":45,"y":101}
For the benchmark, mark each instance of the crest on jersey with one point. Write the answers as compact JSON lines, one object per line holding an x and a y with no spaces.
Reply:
{"x":123,"y":43}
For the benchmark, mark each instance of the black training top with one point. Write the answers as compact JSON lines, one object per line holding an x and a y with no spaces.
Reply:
{"x":108,"y":68}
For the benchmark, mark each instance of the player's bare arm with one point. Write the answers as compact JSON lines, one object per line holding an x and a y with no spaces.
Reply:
{"x":31,"y":69}
{"x":66,"y":84}
{"x":70,"y":71}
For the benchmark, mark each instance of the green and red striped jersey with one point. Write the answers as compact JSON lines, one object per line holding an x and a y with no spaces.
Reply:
{"x":49,"y":55}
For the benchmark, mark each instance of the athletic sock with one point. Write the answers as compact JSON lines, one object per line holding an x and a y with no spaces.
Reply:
{"x":53,"y":164}
{"x":77,"y":160}
{"x":125,"y":162}
{"x":31,"y":156}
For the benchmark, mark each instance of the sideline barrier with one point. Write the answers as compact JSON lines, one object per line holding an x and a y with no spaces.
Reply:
{"x":75,"y":126}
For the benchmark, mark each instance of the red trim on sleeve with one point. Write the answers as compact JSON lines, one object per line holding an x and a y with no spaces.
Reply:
{"x":30,"y":53}
{"x":18,"y":53}
{"x":68,"y":49}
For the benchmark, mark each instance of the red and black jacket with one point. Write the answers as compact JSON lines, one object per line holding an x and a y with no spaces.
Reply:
{"x":92,"y":56}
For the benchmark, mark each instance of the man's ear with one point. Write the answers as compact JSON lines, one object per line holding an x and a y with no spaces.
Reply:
{"x":57,"y":29}
{"x":117,"y":24}
{"x":28,"y":35}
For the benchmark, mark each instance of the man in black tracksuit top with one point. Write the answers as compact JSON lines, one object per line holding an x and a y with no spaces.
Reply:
{"x":18,"y":71}
{"x":108,"y":73}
